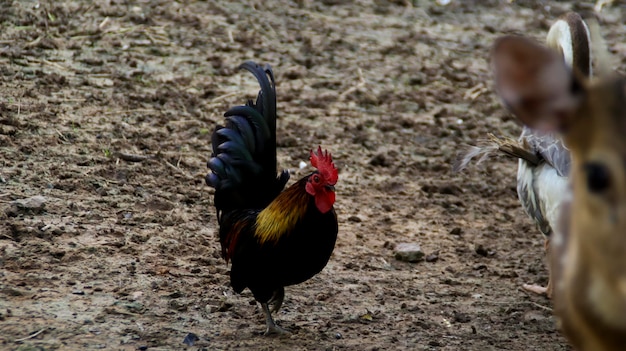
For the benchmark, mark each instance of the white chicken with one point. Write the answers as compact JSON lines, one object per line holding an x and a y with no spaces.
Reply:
{"x":544,"y":161}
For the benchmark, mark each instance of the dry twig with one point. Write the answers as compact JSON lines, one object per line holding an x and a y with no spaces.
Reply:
{"x":31,"y":335}
{"x":178,"y":170}
{"x":131,"y":157}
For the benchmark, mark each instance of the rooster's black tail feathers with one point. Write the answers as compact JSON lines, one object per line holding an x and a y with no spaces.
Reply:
{"x":243,"y":162}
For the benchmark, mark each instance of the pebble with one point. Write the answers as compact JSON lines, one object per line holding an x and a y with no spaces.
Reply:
{"x":432,"y":257}
{"x":460,"y":317}
{"x":534,"y":316}
{"x":35,"y":204}
{"x":354,"y":219}
{"x":190,"y":339}
{"x":456,"y":231}
{"x":482,"y":251}
{"x":408,"y":252}
{"x":381,"y":160}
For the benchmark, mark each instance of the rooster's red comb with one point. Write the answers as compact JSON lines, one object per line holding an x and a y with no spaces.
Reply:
{"x":323,"y":161}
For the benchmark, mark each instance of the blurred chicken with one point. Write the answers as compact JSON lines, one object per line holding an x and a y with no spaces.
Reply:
{"x":273,"y":238}
{"x":544,"y":162}
{"x":588,"y":245}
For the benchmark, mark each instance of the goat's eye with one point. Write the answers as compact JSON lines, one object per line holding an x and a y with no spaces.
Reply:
{"x":598,"y":177}
{"x":316,"y":178}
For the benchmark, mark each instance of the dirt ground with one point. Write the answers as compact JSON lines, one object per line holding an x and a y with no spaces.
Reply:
{"x":122,"y":254}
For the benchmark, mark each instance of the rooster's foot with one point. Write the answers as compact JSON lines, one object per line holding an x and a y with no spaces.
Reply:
{"x":275,"y":330}
{"x":537,"y":289}
{"x":272,"y":328}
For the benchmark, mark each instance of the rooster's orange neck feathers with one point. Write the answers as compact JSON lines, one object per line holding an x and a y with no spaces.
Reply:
{"x":290,"y":206}
{"x":282,"y":214}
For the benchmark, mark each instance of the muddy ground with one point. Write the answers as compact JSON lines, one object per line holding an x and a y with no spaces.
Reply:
{"x":123,"y":255}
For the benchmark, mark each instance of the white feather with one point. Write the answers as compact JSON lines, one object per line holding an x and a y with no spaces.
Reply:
{"x":561,"y":37}
{"x":551,"y":190}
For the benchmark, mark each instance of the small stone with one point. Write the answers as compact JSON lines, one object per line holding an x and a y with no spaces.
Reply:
{"x":456,"y":231}
{"x":133,"y":307}
{"x":35,"y":205}
{"x":11,"y":292}
{"x":178,"y":305}
{"x":354,"y":219}
{"x":408,"y":252}
{"x":175,"y":295}
{"x":190,"y":339}
{"x":57,"y":253}
{"x":225,"y":306}
{"x":482,"y":251}
{"x":461,"y":317}
{"x":380,"y":160}
{"x":534,"y":316}
{"x":433,"y":257}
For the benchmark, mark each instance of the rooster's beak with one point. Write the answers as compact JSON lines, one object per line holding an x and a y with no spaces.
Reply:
{"x":330,"y":187}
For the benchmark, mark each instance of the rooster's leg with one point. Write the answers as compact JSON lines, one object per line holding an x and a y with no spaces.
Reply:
{"x":538,"y":289}
{"x":549,"y":287}
{"x":272,"y":328}
{"x":277,"y":300}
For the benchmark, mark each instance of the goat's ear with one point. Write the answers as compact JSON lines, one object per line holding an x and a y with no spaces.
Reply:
{"x":534,"y":83}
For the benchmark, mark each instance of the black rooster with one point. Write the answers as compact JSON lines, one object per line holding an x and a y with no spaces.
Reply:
{"x":273,"y":238}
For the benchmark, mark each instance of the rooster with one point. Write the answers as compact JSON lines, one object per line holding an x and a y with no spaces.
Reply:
{"x":273,"y":238}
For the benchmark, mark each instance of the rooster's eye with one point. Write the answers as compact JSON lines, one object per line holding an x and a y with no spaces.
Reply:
{"x":316,"y":178}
